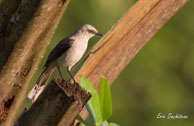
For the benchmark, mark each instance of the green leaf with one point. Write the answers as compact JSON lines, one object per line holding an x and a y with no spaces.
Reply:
{"x":113,"y":124}
{"x":105,"y":99}
{"x":93,"y":104}
{"x":105,"y":123}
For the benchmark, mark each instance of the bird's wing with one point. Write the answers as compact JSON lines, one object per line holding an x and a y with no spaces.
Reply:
{"x":61,"y":48}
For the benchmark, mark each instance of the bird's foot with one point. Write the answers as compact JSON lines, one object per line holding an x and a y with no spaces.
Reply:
{"x":65,"y":81}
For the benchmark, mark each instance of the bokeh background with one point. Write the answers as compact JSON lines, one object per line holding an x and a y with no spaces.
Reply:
{"x":160,"y":79}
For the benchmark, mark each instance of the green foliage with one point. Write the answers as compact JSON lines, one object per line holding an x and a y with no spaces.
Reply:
{"x":113,"y":124}
{"x":105,"y":123}
{"x":93,"y":104}
{"x":100,"y":110}
{"x":105,"y":99}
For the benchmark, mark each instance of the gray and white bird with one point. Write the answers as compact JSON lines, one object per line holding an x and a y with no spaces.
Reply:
{"x":67,"y":53}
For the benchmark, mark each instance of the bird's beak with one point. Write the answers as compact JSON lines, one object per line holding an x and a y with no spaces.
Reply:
{"x":100,"y":34}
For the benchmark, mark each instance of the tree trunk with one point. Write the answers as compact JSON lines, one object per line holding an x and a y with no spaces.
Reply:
{"x":26,"y":27}
{"x":59,"y":100}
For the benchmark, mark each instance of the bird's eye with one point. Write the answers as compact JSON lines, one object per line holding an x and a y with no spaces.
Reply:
{"x":90,"y":31}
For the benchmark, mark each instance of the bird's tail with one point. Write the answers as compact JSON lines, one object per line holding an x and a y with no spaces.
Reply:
{"x":40,"y":84}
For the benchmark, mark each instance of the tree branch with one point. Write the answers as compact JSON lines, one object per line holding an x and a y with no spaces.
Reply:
{"x":126,"y":38}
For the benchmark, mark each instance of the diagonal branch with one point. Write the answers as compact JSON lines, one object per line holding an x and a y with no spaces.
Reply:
{"x":126,"y":38}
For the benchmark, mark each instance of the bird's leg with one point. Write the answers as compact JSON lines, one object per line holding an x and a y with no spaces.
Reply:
{"x":68,"y":70}
{"x":58,"y":68}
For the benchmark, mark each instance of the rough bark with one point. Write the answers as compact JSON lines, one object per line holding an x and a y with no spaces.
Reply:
{"x":59,"y":100}
{"x":118,"y":47}
{"x":26,"y":27}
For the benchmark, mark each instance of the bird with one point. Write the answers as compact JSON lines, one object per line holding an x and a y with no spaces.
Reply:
{"x":66,"y":54}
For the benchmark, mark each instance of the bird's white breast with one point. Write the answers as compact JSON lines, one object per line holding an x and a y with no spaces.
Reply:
{"x":74,"y":53}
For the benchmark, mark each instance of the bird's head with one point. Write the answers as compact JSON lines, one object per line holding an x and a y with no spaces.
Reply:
{"x":89,"y":30}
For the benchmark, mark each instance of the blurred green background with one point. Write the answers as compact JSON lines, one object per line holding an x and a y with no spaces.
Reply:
{"x":160,"y":79}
